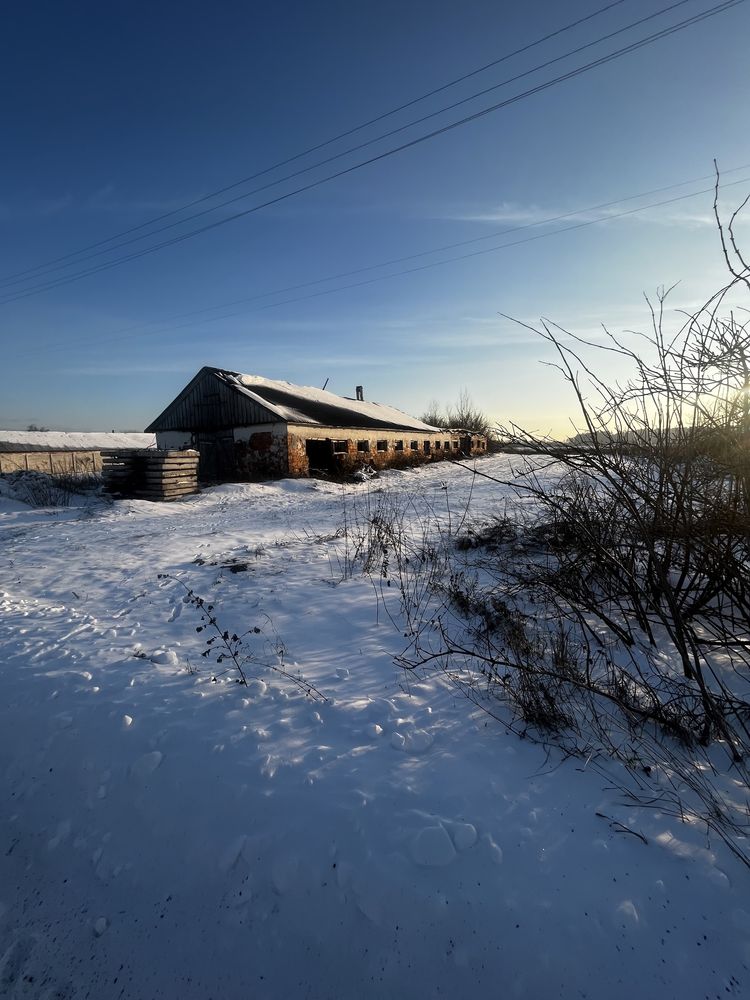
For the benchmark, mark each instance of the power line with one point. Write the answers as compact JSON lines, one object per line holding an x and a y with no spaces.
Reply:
{"x":321,"y":145}
{"x":124,"y":333}
{"x":475,"y":239}
{"x":603,"y":60}
{"x":461,"y":243}
{"x":502,"y":246}
{"x":337,"y":156}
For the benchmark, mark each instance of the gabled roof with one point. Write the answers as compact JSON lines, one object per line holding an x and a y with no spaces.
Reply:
{"x":304,"y":404}
{"x":269,"y":400}
{"x":15,"y":441}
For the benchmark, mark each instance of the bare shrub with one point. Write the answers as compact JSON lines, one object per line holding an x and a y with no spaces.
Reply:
{"x":39,"y":489}
{"x":237,"y":651}
{"x":647,"y":529}
{"x":465,"y":414}
{"x":609,"y":614}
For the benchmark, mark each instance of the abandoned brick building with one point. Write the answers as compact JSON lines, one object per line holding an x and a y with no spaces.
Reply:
{"x":246,"y":426}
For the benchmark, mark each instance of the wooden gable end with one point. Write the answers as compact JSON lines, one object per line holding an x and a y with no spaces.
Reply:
{"x":208,"y":403}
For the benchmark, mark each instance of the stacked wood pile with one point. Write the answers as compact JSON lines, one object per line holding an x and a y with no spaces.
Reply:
{"x":147,"y":474}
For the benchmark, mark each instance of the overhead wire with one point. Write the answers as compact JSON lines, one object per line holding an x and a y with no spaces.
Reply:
{"x":503,"y":246}
{"x":341,"y":154}
{"x":127,"y":331}
{"x":448,"y":127}
{"x":477,"y":239}
{"x":321,"y":145}
{"x":609,"y":57}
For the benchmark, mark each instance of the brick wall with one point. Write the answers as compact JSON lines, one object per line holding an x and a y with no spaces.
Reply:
{"x":278,"y":449}
{"x":261,"y":450}
{"x":350,"y":448}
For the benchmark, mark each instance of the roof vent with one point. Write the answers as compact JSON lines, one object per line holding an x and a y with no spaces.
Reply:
{"x":360,"y":394}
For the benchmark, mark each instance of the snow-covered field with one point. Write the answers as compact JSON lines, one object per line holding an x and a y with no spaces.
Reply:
{"x":167,"y":835}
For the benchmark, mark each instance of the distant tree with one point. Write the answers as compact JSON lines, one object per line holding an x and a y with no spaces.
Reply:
{"x":35,"y":427}
{"x":464,"y":415}
{"x":435,"y":415}
{"x":468,"y":416}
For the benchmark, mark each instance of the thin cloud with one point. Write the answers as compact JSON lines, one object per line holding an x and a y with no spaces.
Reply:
{"x":507,"y":212}
{"x":515,"y":214}
{"x":342,"y":361}
{"x":103,"y":201}
{"x":40,"y":209}
{"x":107,"y":200}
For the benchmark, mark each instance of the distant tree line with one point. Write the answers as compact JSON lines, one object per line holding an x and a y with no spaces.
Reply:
{"x":464,"y":415}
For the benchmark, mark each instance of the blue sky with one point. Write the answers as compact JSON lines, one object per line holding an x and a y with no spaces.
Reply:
{"x":113,"y":114}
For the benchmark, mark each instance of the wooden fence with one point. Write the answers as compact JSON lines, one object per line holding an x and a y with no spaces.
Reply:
{"x":54,"y":463}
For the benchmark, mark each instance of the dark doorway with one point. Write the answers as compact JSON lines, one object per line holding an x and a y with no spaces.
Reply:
{"x":217,"y":464}
{"x":318,"y":456}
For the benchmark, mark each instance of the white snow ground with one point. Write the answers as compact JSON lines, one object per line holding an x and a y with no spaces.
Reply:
{"x":164,"y":835}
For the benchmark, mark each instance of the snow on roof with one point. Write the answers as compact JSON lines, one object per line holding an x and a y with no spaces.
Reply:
{"x":11,"y":441}
{"x":304,"y":404}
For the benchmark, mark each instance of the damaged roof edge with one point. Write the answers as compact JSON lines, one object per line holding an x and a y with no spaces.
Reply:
{"x":310,"y":405}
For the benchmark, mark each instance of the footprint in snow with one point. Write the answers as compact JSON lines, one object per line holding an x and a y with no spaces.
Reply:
{"x":415,"y":742}
{"x":494,"y":850}
{"x":719,"y":878}
{"x":13,"y":961}
{"x":432,"y":847}
{"x":146,"y":764}
{"x":463,"y":835}
{"x":232,"y":854}
{"x":164,"y":657}
{"x":284,"y":874}
{"x":269,"y":766}
{"x":61,"y":834}
{"x":626,"y":915}
{"x":371,"y":899}
{"x":24,"y":964}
